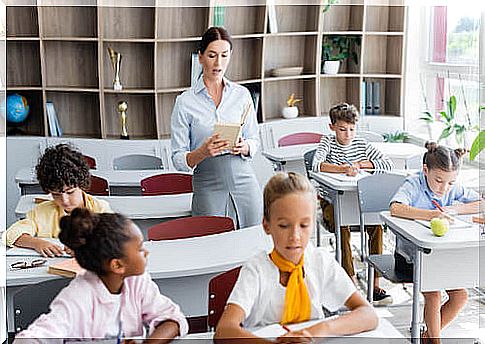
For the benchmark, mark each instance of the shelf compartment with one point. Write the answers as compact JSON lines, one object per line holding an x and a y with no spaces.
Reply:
{"x":338,"y":90}
{"x":390,"y":96}
{"x":245,"y":63}
{"x":347,"y":66}
{"x":343,"y":18}
{"x":140,"y":115}
{"x":174,"y":64}
{"x":255,"y":90}
{"x":78,"y":113}
{"x":23,"y":64}
{"x":296,"y":18}
{"x":276,"y":94}
{"x":69,"y":21}
{"x":128,"y":22}
{"x":166,"y":102}
{"x":288,"y":51}
{"x":136,"y":65}
{"x":34,"y":124}
{"x":169,"y":21}
{"x":71,"y":64}
{"x":383,"y":54}
{"x":22,"y":21}
{"x":385,"y":18}
{"x":253,"y":22}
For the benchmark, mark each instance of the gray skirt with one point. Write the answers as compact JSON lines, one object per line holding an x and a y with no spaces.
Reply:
{"x":227,"y":186}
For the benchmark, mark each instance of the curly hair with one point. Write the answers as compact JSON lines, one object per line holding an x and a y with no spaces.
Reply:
{"x":62,"y":166}
{"x":344,"y":112}
{"x":95,"y":238}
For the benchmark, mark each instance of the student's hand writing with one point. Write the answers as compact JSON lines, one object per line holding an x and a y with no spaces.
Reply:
{"x":438,"y":213}
{"x":47,"y":249}
{"x":300,"y":336}
{"x":213,"y":146}
{"x":349,"y":170}
{"x":241,"y":147}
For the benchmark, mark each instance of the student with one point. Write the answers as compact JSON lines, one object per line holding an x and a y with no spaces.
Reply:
{"x":414,"y":201}
{"x":62,"y":172}
{"x":294,"y":281}
{"x":347,"y":153}
{"x":114,"y":297}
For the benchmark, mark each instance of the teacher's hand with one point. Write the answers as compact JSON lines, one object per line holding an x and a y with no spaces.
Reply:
{"x":213,"y":146}
{"x":241,"y":147}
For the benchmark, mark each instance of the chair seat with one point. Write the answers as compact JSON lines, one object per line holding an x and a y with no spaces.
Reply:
{"x":384,"y":263}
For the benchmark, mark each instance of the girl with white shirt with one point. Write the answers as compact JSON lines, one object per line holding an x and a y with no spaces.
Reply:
{"x":295,"y":280}
{"x":114,"y":297}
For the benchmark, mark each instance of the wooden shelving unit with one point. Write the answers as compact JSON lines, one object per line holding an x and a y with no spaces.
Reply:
{"x":59,"y":54}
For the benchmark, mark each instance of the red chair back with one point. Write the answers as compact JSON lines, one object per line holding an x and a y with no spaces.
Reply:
{"x":99,"y":186}
{"x":166,"y":184}
{"x":91,"y":161}
{"x":299,"y":139}
{"x":189,"y":227}
{"x":220,"y":287}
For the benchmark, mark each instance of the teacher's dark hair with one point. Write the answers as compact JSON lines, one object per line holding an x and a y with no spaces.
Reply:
{"x":212,"y":34}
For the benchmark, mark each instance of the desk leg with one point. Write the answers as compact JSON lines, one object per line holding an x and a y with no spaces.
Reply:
{"x":338,"y":238}
{"x":415,"y":322}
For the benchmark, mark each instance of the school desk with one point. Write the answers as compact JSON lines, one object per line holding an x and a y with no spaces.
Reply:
{"x":384,"y":331}
{"x":145,"y":211}
{"x":181,"y":268}
{"x":447,"y":262}
{"x":120,"y":182}
{"x":403,"y":155}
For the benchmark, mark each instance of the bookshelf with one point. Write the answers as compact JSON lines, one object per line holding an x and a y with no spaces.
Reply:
{"x":59,"y":53}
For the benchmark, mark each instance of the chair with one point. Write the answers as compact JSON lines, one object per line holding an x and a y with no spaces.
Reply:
{"x":91,"y":162}
{"x":308,"y":159}
{"x":299,"y":139}
{"x":99,"y":186}
{"x":137,"y":162}
{"x":189,"y":227}
{"x":166,"y":184}
{"x":32,"y":301}
{"x":375,"y":193}
{"x":371,"y":136}
{"x":220,"y":287}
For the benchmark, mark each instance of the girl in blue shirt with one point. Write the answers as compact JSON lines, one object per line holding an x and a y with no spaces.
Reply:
{"x":414,"y":201}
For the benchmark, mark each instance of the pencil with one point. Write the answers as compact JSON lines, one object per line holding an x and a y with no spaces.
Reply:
{"x":245,"y":114}
{"x":286,"y":328}
{"x":437,"y":205}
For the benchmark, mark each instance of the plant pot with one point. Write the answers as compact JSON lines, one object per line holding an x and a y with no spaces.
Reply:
{"x":331,"y":67}
{"x":290,"y":112}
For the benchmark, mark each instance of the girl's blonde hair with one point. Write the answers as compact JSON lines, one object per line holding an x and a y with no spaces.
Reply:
{"x":282,"y":184}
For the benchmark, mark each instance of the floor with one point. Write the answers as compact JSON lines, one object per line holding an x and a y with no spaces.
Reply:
{"x":468,"y":327}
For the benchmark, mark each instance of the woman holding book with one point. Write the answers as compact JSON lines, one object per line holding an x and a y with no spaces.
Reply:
{"x":224,"y":183}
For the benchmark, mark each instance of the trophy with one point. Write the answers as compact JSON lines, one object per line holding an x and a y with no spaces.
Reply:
{"x":122,"y":107}
{"x":115,"y":58}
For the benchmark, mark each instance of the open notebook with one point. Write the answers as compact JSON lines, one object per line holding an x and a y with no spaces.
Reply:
{"x":457,"y":224}
{"x":342,"y":177}
{"x":18,"y":251}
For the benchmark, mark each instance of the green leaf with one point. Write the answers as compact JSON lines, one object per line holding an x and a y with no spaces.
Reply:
{"x":445,"y":116}
{"x":478,"y":145}
{"x":446,"y":133}
{"x":452,"y":107}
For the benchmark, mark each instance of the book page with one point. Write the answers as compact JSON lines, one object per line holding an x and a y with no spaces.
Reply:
{"x":228,"y":131}
{"x":345,"y":178}
{"x":20,"y":251}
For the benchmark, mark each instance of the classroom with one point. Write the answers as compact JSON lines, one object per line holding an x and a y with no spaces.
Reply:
{"x":269,"y":170}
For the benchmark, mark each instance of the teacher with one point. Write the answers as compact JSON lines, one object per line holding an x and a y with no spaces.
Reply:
{"x":224,"y":182}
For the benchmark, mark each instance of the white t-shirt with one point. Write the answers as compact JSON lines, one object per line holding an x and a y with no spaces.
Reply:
{"x":261,"y":296}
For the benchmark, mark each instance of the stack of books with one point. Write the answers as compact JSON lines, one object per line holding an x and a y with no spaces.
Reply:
{"x":371,"y":98}
{"x":54,"y":126}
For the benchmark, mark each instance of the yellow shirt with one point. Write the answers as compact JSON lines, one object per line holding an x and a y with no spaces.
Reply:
{"x":43,"y":220}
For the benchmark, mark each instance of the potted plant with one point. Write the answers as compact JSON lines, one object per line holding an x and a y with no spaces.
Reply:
{"x":338,"y":48}
{"x":291,"y":111}
{"x":398,"y":136}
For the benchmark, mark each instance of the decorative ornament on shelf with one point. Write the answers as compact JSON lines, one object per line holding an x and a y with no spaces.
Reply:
{"x":122,"y":107}
{"x":337,"y":48}
{"x":115,"y":58}
{"x":291,"y":111}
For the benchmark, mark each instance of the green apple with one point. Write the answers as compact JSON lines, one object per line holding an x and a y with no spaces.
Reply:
{"x":439,"y":226}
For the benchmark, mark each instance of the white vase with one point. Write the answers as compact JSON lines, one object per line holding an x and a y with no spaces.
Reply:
{"x":290,"y":112}
{"x":331,"y":67}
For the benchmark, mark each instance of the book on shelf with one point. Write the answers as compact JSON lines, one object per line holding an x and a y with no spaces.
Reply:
{"x":219,"y":15}
{"x":196,"y":70}
{"x":362,"y":98}
{"x":54,"y":125}
{"x":376,"y":97}
{"x":67,"y":268}
{"x":371,"y":98}
{"x":272,"y":22}
{"x":368,"y":98}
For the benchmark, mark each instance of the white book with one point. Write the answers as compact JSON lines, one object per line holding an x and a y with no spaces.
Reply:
{"x":273,"y":24}
{"x":196,"y":70}
{"x":49,"y":107}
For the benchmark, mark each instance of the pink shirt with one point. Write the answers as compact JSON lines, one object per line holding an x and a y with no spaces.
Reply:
{"x":82,"y":308}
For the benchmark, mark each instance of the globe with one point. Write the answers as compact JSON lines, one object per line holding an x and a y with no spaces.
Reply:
{"x":17,"y":108}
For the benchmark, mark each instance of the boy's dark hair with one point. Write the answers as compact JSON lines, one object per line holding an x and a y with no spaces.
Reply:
{"x":344,"y":112}
{"x":441,"y":157}
{"x":94,"y":238}
{"x":62,"y":166}
{"x":212,"y":34}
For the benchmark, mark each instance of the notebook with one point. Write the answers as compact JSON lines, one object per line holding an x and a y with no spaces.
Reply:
{"x":345,"y":178}
{"x":456,"y":224}
{"x":228,"y":131}
{"x":67,"y":268}
{"x":19,"y":251}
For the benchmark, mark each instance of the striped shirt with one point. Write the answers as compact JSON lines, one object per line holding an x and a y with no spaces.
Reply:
{"x":330,"y":151}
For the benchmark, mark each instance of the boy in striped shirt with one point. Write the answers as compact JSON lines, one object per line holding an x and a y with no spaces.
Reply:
{"x":347,"y":153}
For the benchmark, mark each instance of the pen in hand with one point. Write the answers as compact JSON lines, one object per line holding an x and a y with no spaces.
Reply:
{"x":286,"y":328}
{"x":437,"y":205}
